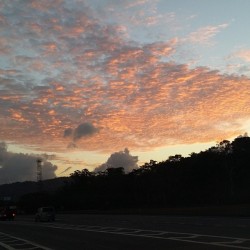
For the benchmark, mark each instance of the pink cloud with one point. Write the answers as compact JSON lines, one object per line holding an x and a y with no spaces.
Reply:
{"x":45,"y":4}
{"x":205,"y":35}
{"x":80,"y":70}
{"x":167,"y":102}
{"x":243,"y":54}
{"x":136,"y":3}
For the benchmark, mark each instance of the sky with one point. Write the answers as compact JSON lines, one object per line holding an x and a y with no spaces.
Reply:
{"x":109,"y":83}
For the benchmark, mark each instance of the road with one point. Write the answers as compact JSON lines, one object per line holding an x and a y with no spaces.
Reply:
{"x":123,"y":232}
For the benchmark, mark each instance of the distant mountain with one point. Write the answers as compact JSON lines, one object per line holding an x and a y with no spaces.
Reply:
{"x":13,"y":191}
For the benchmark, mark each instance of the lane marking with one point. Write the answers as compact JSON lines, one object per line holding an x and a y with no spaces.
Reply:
{"x":6,"y":246}
{"x":224,"y":241}
{"x":7,"y":239}
{"x":165,"y":235}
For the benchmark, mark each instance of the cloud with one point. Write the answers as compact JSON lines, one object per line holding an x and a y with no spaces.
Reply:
{"x":68,"y":132}
{"x":79,"y":68}
{"x":122,"y":159}
{"x":83,"y":130}
{"x":22,"y":167}
{"x":204,"y":35}
{"x":243,"y":54}
{"x":133,"y":4}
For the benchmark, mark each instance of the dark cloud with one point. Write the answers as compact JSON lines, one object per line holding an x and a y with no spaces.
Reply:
{"x":22,"y":167}
{"x":120,"y":159}
{"x":68,"y":132}
{"x":3,"y":148}
{"x":49,"y":157}
{"x":84,"y":129}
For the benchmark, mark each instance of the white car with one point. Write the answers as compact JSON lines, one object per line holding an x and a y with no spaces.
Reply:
{"x":45,"y":214}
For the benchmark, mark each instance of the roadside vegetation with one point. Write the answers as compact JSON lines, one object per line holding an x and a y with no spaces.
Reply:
{"x":215,"y":177}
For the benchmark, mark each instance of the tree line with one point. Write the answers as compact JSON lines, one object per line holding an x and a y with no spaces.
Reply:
{"x":216,"y":176}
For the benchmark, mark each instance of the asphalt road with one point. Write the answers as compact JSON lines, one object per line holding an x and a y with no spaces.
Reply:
{"x":125,"y":232}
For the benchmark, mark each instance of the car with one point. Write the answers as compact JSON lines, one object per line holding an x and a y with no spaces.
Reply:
{"x":45,"y":214}
{"x":7,"y":214}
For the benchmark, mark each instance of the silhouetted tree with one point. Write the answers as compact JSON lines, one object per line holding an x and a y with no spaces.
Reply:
{"x":218,"y":175}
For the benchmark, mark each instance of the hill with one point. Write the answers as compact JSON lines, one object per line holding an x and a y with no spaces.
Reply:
{"x":13,"y":191}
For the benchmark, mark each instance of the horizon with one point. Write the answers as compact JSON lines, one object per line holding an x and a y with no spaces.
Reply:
{"x":168,"y":160}
{"x":91,"y":84}
{"x":101,"y":169}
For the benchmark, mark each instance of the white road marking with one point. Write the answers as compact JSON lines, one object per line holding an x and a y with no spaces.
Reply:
{"x":229,"y":242}
{"x":8,"y":242}
{"x":221,"y":241}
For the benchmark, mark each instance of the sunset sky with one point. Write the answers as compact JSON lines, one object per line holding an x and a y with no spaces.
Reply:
{"x":81,"y":80}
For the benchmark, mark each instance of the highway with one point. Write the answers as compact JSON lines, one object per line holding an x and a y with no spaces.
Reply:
{"x":123,"y":232}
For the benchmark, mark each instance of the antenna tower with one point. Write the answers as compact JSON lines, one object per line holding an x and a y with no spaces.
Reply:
{"x":39,"y":170}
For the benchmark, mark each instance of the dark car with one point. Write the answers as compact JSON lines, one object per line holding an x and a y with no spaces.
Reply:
{"x":45,"y":214}
{"x":7,"y":214}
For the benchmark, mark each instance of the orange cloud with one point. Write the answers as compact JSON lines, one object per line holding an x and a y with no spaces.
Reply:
{"x":79,"y":70}
{"x":50,"y":48}
{"x":45,"y":4}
